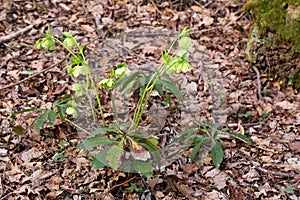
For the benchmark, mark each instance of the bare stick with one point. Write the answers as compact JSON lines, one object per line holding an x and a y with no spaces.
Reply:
{"x":33,"y":75}
{"x":6,"y":38}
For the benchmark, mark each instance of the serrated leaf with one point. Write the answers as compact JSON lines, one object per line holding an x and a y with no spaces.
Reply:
{"x":217,"y":153}
{"x":143,"y":167}
{"x":113,"y":156}
{"x":90,"y":143}
{"x":173,"y":88}
{"x":96,"y":164}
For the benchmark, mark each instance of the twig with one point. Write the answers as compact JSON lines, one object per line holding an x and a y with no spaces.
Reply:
{"x":118,"y":185}
{"x":277,"y":173}
{"x":33,"y":75}
{"x":258,"y":83}
{"x":19,"y":32}
{"x":156,"y":8}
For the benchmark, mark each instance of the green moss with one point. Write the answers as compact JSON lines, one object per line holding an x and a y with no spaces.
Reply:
{"x":280,"y":16}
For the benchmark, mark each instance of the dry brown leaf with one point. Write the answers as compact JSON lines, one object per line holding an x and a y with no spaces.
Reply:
{"x":285,"y":105}
{"x":30,"y":154}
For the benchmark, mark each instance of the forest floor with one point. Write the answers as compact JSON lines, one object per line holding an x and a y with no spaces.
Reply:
{"x":270,"y":169}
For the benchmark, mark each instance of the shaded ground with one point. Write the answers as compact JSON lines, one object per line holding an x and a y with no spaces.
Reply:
{"x":269,"y":170}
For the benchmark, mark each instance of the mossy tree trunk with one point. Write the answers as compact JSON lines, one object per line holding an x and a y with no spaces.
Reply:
{"x":274,"y":43}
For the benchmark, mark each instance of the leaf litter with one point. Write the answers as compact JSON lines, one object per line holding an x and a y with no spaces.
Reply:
{"x":263,"y":171}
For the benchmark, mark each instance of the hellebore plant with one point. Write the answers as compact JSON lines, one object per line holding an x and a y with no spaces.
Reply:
{"x":119,"y":146}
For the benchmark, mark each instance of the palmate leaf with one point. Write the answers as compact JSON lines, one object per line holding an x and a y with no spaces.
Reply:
{"x":90,"y":143}
{"x":172,"y":87}
{"x":217,"y":153}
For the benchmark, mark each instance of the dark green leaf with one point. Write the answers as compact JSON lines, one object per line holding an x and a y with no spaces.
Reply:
{"x":51,"y":116}
{"x":196,"y":150}
{"x":172,"y":87}
{"x":143,"y":167}
{"x":217,"y":153}
{"x":127,"y":83}
{"x":102,"y":129}
{"x":40,"y":121}
{"x":159,"y":89}
{"x":90,"y":143}
{"x":113,"y":156}
{"x":99,"y":161}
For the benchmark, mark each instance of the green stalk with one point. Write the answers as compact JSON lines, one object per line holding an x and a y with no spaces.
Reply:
{"x":114,"y":108}
{"x":64,"y":46}
{"x":97,"y":98}
{"x":77,"y":126}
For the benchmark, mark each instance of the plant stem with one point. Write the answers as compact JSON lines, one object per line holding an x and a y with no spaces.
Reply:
{"x":114,"y":108}
{"x":77,"y":126}
{"x":97,"y":97}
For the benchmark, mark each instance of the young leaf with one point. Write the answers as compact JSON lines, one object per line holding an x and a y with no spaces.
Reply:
{"x":134,"y":187}
{"x":71,"y":110}
{"x":120,"y":72}
{"x":78,"y":89}
{"x":184,"y":32}
{"x":69,"y":42}
{"x":113,"y":156}
{"x":217,"y":153}
{"x":185,"y":43}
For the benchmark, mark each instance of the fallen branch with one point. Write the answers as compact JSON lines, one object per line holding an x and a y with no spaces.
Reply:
{"x":33,"y":75}
{"x":7,"y":38}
